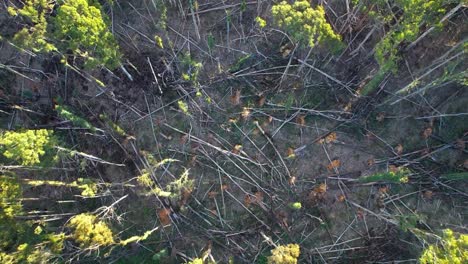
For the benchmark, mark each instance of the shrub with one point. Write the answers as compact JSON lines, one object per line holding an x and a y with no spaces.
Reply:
{"x":452,"y":250}
{"x":82,"y":28}
{"x":90,"y":232}
{"x":304,"y":23}
{"x":26,"y":147}
{"x":284,"y":254}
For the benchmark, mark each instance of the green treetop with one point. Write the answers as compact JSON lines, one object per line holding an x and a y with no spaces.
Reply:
{"x":81,"y":27}
{"x":304,"y":23}
{"x":34,"y":37}
{"x":452,"y":250}
{"x":26,"y":147}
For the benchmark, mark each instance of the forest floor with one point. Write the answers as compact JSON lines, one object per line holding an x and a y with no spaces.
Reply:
{"x":261,"y":131}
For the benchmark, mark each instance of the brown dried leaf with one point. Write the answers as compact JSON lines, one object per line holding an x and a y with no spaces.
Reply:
{"x":164,"y":216}
{"x":331,"y":138}
{"x":235,"y":98}
{"x":341,"y":198}
{"x":334,"y":164}
{"x":300,"y":119}
{"x":247,"y":200}
{"x":292,"y":181}
{"x":321,"y":188}
{"x":370,"y":162}
{"x":399,"y":149}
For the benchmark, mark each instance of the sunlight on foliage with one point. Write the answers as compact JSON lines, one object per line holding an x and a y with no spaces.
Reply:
{"x":88,"y":187}
{"x":398,"y":176}
{"x":35,"y":37}
{"x":26,"y":147}
{"x":287,"y":254}
{"x":304,"y":23}
{"x":10,"y":195}
{"x":84,"y":28}
{"x":90,"y":232}
{"x":452,"y":250}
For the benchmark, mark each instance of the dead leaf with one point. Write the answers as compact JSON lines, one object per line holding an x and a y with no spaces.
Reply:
{"x":341,"y":198}
{"x":331,"y":138}
{"x":292,"y":181}
{"x":334,"y":164}
{"x":185,"y":195}
{"x":224,"y":187}
{"x":235,"y":98}
{"x":301,"y":120}
{"x":321,"y":188}
{"x":370,"y":162}
{"x":399,"y":149}
{"x":261,"y":100}
{"x":164,"y":216}
{"x":183,"y":139}
{"x":427,"y":133}
{"x":247,"y":200}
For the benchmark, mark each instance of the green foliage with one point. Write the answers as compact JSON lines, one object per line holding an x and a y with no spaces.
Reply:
{"x":261,"y":22}
{"x":82,"y":27}
{"x":296,"y":206}
{"x":79,"y":27}
{"x":33,"y":37}
{"x":26,"y":147}
{"x":287,"y":254}
{"x":414,"y":14}
{"x":173,"y":189}
{"x":399,"y":176}
{"x":10,"y":194}
{"x":183,"y":107}
{"x":452,"y":250}
{"x":119,"y":130}
{"x":190,"y":68}
{"x":66,"y":113}
{"x":88,"y":231}
{"x":304,"y":23}
{"x":87,"y":186}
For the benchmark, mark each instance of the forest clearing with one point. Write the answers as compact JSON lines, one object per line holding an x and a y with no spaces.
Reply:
{"x":233,"y":131}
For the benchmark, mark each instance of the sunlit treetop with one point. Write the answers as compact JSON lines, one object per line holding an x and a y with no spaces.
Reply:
{"x":452,"y":250}
{"x":88,"y":231}
{"x":305,"y":23}
{"x":80,"y":26}
{"x":26,"y":147}
{"x":286,"y":254}
{"x":33,"y":37}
